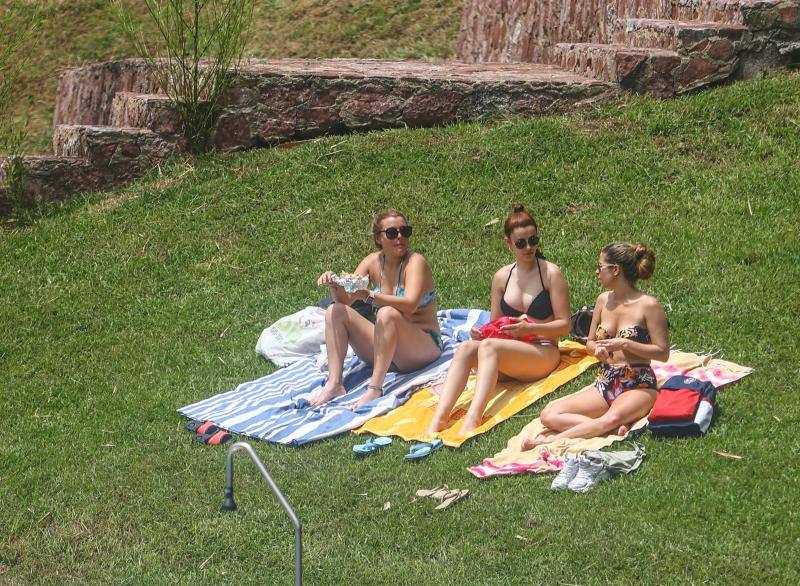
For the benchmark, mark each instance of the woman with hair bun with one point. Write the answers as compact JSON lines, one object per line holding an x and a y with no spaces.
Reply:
{"x":532,"y":294}
{"x":629,"y":329}
{"x":405,"y":335}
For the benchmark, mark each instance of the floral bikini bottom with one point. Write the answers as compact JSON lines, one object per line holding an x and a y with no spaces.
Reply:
{"x":612,"y":381}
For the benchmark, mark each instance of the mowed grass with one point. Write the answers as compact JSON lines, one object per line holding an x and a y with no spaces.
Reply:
{"x":80,"y":32}
{"x":120,"y":308}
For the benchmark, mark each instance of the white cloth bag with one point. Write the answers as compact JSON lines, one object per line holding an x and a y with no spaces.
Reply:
{"x":293,"y":337}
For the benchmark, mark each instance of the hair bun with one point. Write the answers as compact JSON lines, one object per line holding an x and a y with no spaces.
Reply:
{"x":645,"y":261}
{"x":517,"y":208}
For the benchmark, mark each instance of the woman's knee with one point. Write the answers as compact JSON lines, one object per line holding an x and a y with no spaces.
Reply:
{"x":387,"y":314}
{"x":335,"y":313}
{"x":467,"y":350}
{"x":488,"y":347}
{"x":549,"y":415}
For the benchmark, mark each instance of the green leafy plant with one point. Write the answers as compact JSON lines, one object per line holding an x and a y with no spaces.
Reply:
{"x":21,"y":23}
{"x":198,"y":45}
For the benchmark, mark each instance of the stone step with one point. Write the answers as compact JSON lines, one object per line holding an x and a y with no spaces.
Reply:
{"x":51,"y":178}
{"x":755,"y":14}
{"x":114,"y":149}
{"x":651,"y":71}
{"x":275,"y":101}
{"x":683,"y":37}
{"x":151,"y":111}
{"x":658,"y":72}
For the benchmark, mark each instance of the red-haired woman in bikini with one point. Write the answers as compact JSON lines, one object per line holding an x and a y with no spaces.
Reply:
{"x":629,"y":329}
{"x":405,"y":334}
{"x":530,"y":288}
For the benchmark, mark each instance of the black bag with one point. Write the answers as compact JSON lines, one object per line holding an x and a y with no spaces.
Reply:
{"x":580,"y":322}
{"x":363,"y":309}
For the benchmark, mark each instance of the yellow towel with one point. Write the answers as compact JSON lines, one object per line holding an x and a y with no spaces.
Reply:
{"x":410,"y":420}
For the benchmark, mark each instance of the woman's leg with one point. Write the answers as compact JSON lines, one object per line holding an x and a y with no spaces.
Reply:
{"x":627,"y":408}
{"x":519,"y":360}
{"x":466,"y":359}
{"x":397,"y":340}
{"x":343,"y":326}
{"x":567,"y":412}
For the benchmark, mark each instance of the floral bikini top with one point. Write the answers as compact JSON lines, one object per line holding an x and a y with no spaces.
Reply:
{"x":636,"y":333}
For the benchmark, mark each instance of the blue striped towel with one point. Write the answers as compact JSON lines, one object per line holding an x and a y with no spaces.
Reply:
{"x":275,"y":407}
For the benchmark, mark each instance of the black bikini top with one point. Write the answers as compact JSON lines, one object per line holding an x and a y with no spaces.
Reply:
{"x":540,"y":307}
{"x":636,"y":333}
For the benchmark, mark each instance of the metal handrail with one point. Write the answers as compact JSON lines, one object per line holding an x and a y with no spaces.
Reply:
{"x":230,"y":505}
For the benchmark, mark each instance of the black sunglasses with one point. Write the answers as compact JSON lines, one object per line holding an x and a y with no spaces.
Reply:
{"x":393,"y":233}
{"x":531,"y":241}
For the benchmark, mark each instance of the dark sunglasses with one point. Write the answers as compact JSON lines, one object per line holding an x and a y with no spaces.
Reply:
{"x":393,"y":233}
{"x":531,"y":241}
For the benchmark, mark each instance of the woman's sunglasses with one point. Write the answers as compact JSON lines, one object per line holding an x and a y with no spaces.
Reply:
{"x":531,"y":241}
{"x":393,"y":233}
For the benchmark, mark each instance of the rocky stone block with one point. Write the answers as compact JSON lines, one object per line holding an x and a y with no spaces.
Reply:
{"x":118,"y":151}
{"x":48,"y":179}
{"x":86,"y":94}
{"x":152,"y":111}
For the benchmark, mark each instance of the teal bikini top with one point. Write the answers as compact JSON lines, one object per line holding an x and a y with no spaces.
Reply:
{"x":427,"y":298}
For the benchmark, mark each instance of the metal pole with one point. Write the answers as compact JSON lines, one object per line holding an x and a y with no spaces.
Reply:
{"x":230,"y":505}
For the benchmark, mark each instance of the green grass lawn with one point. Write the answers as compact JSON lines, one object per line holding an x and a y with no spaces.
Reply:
{"x":120,"y":308}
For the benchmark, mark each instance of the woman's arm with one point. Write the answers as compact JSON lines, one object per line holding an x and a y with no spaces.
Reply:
{"x":498,"y":281}
{"x":656,"y":323}
{"x":591,"y":345}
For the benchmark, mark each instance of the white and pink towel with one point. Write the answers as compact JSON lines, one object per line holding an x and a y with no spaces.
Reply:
{"x":550,"y":457}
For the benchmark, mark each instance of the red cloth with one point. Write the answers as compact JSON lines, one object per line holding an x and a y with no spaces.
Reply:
{"x":492,"y":329}
{"x":674,"y":405}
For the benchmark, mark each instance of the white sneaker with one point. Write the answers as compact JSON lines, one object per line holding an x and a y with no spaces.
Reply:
{"x":568,"y":472}
{"x":589,"y":474}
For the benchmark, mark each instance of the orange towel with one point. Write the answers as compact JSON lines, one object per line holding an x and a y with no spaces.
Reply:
{"x":410,"y":420}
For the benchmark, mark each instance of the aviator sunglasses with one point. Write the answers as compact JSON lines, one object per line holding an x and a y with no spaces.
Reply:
{"x":393,"y":233}
{"x":531,"y":241}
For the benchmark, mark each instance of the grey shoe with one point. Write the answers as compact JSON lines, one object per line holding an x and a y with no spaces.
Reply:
{"x":568,"y":472}
{"x":589,"y":474}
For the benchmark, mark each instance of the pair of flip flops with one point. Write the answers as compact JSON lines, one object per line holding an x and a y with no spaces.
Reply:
{"x":416,"y":452}
{"x":208,"y":432}
{"x":443,"y":494}
{"x":372,"y":445}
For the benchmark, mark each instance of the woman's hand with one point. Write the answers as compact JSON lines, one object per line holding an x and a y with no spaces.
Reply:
{"x":475,"y":334}
{"x":601,"y":354}
{"x":521,"y":327}
{"x":326,"y":278}
{"x":611,"y":345}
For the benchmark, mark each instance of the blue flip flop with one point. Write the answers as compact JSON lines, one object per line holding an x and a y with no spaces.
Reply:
{"x":373,"y":444}
{"x":423,"y":450}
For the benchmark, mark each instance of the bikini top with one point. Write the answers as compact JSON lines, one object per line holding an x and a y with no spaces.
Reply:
{"x":427,"y":298}
{"x":540,"y":307}
{"x":636,"y":333}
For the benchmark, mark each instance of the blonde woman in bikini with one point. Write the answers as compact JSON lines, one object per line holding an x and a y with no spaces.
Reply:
{"x":531,"y":287}
{"x":405,"y":334}
{"x":629,"y":329}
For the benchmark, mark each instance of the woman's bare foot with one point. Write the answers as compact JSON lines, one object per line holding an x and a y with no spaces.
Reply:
{"x":532,"y":442}
{"x":467,"y":427}
{"x":623,"y":430}
{"x":326,"y":394}
{"x":372,"y":393}
{"x":435,"y":426}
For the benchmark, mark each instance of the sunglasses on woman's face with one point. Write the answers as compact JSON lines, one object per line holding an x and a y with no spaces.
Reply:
{"x":393,"y":233}
{"x":531,"y":241}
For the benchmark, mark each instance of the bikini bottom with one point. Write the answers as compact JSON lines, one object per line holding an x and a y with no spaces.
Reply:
{"x":612,"y":381}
